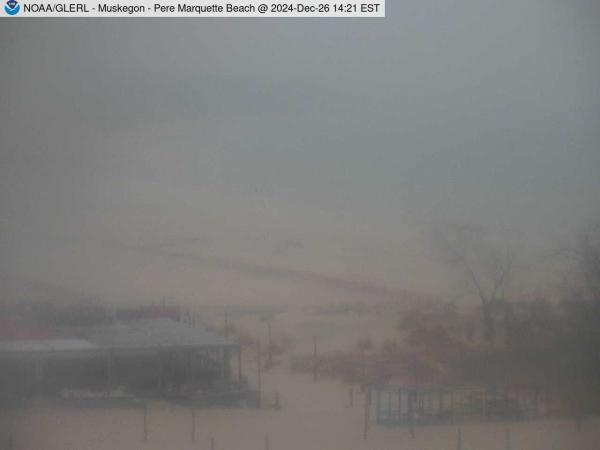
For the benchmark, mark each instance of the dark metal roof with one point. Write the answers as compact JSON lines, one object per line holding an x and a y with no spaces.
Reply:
{"x":154,"y":333}
{"x":45,"y":345}
{"x":131,"y":335}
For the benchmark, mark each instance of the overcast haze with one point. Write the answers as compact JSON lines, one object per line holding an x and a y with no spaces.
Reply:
{"x":288,"y":160}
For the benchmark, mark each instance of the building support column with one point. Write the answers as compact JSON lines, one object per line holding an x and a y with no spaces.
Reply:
{"x":110,"y":370}
{"x":399,"y":420}
{"x":239,"y":355}
{"x":378,"y":406}
{"x":189,"y":375}
{"x":160,"y":373}
{"x":38,"y":374}
{"x":227,"y":364}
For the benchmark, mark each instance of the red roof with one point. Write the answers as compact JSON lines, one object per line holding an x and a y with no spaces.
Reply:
{"x":11,"y":329}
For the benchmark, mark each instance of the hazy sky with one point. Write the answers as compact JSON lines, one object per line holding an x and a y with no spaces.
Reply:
{"x":287,"y":160}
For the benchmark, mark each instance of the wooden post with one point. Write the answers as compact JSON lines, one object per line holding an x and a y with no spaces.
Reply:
{"x":259,"y":375}
{"x":227,"y":365}
{"x":519,"y":394}
{"x":412,"y":394}
{"x":315,"y":363}
{"x":377,"y":406}
{"x":277,"y":405}
{"x":483,"y":405}
{"x":145,"y":422}
{"x":270,"y":346}
{"x":441,"y":404}
{"x":411,"y":418}
{"x":189,"y":370}
{"x":221,"y":362}
{"x":459,"y":440}
{"x":160,"y":373}
{"x":367,"y":409}
{"x":39,"y":376}
{"x":193,"y":424}
{"x":239,"y":355}
{"x":389,"y":413}
{"x":507,"y":439}
{"x":110,"y":370}
{"x":451,"y":406}
{"x":399,"y":406}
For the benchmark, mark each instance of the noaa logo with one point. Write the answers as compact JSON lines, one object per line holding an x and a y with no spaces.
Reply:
{"x":12,"y":7}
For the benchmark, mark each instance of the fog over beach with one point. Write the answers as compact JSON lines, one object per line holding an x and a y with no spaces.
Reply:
{"x":419,"y":187}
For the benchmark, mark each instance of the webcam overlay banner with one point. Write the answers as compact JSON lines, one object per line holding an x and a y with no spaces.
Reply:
{"x":191,"y":8}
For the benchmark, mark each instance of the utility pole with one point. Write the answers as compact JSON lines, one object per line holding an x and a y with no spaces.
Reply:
{"x":259,"y":374}
{"x":145,"y":422}
{"x":193,"y":424}
{"x":270,"y":344}
{"x":315,"y":360}
{"x":367,"y":411}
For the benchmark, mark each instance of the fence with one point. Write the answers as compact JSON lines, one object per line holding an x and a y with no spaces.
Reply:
{"x":408,"y":406}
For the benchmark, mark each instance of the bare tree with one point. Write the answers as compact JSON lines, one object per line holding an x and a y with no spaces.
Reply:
{"x":583,"y":281}
{"x":484,"y":264}
{"x":588,"y":258}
